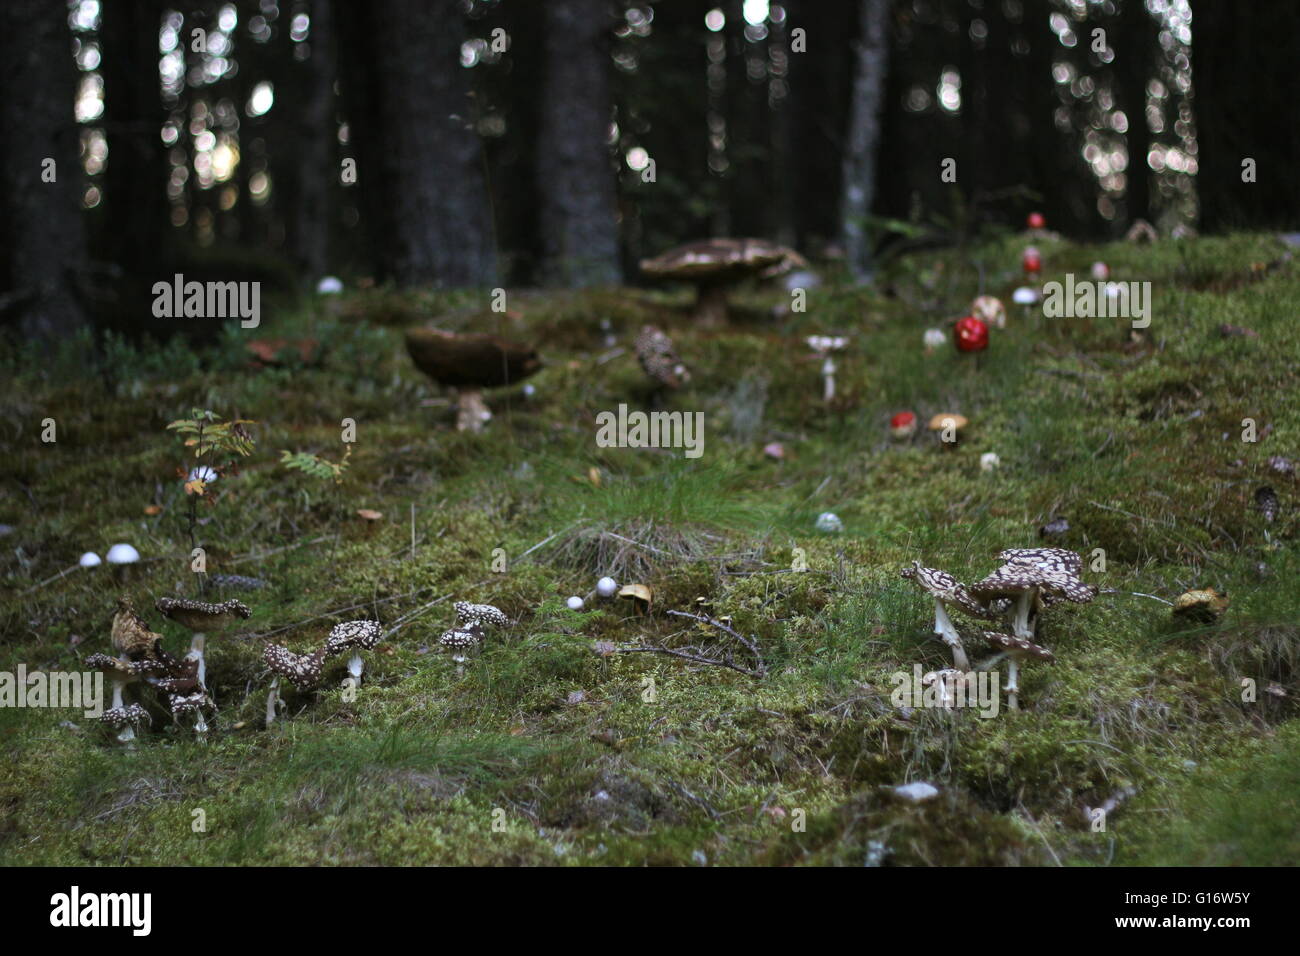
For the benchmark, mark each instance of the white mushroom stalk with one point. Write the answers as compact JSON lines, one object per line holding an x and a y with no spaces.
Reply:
{"x":946,"y":590}
{"x":823,"y":346}
{"x":357,"y":636}
{"x":1031,"y":578}
{"x":200,"y":617}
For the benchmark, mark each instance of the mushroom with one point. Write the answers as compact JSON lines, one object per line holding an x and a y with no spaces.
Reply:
{"x":989,"y":461}
{"x":658,"y":358}
{"x":823,"y":346}
{"x":714,"y":265}
{"x":119,"y":716}
{"x":1202,"y":605}
{"x":357,"y":636}
{"x":1032,"y":261}
{"x":122,"y":554}
{"x":480,"y":615}
{"x":934,"y":339}
{"x":947,"y":591}
{"x":201,"y":618}
{"x":460,"y":640}
{"x":1017,"y":650}
{"x":1032,"y":578}
{"x":947,"y":424}
{"x":640,"y":595}
{"x":301,"y":670}
{"x":971,"y":334}
{"x":469,"y":364}
{"x":903,"y":425}
{"x":606,"y":587}
{"x":945,"y":681}
{"x":1036,"y":221}
{"x":574,"y":603}
{"x":89,"y":560}
{"x":990,"y":310}
{"x":130,"y":635}
{"x":1100,"y":271}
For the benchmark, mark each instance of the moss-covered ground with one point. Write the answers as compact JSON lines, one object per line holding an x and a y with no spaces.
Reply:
{"x":544,"y":751}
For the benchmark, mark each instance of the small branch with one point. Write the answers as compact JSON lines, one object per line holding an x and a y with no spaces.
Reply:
{"x":655,"y":649}
{"x":1137,"y":594}
{"x":705,"y":619}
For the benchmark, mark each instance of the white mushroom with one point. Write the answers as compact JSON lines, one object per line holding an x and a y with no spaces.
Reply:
{"x":89,"y":560}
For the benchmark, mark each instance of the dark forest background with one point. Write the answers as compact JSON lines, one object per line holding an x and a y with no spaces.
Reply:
{"x":513,"y":142}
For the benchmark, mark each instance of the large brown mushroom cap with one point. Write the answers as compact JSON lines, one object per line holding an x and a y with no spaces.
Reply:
{"x":713,"y":264}
{"x":469,"y":360}
{"x":359,"y":635}
{"x":722,"y":260}
{"x":302,"y":670}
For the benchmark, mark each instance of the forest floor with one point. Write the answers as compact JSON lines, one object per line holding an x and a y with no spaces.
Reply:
{"x":546,"y":751}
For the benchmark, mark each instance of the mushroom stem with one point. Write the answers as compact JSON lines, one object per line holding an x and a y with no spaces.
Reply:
{"x":711,"y":304}
{"x":197,"y":645}
{"x":828,"y":380}
{"x":1020,"y":625}
{"x":355,"y":666}
{"x":272,"y":701}
{"x":127,"y":734}
{"x":945,"y":629}
{"x":471,"y":411}
{"x":1013,"y":682}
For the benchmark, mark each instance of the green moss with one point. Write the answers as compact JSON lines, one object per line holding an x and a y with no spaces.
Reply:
{"x":542,"y":752}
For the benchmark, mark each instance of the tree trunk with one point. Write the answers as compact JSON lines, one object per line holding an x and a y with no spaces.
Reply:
{"x":419,"y":160}
{"x":575,"y":181}
{"x":315,"y":149}
{"x":864,"y":135}
{"x":41,"y":222}
{"x":1246,"y":89}
{"x":1132,"y":68}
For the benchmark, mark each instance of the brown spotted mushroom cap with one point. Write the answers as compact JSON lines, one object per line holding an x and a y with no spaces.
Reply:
{"x":479,"y":614}
{"x":132,"y":715}
{"x":201,"y":616}
{"x":1054,"y":572}
{"x":1018,"y":646}
{"x":302,"y":670}
{"x":946,"y":588}
{"x":362,"y":635}
{"x":460,"y":638}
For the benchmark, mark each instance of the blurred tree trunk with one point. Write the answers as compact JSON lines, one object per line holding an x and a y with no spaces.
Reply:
{"x":136,"y":212}
{"x":1133,"y":50}
{"x":1246,"y":89}
{"x":419,"y":160}
{"x":314,"y":148}
{"x":863,"y":141}
{"x":43,"y":230}
{"x":820,"y":91}
{"x":577,"y":209}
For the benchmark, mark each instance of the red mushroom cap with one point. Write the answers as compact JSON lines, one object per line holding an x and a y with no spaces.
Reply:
{"x":903,"y":425}
{"x":1035,"y":220}
{"x":972,"y":335}
{"x":1033,"y":262}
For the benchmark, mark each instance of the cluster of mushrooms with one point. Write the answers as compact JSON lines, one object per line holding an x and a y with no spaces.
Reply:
{"x":181,"y":682}
{"x":471,"y":622}
{"x":1015,"y":595}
